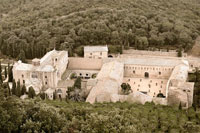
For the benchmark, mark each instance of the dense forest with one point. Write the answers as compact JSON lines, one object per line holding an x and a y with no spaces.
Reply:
{"x":33,"y":116}
{"x":33,"y":27}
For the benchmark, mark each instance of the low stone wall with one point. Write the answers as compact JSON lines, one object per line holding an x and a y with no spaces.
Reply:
{"x":152,"y":53}
{"x":84,"y":64}
{"x":161,"y":101}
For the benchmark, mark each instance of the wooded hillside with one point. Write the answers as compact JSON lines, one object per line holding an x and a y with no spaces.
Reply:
{"x":36,"y":26}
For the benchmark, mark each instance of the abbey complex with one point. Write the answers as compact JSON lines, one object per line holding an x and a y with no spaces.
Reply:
{"x":153,"y":76}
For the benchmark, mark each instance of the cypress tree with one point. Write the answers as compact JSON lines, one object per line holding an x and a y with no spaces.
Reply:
{"x":9,"y":91}
{"x":1,"y":79}
{"x":5,"y":73}
{"x":18,"y":89}
{"x":23,"y":90}
{"x":10,"y":73}
{"x":14,"y":87}
{"x":54,"y":95}
{"x":77,"y":83}
{"x":31,"y":92}
{"x":180,"y":106}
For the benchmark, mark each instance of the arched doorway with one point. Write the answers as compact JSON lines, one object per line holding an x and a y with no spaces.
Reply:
{"x":110,"y":56}
{"x":160,"y":95}
{"x":146,"y":75}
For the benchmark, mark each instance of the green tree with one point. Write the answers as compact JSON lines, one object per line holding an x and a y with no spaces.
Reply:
{"x":31,"y":92}
{"x":10,"y":73}
{"x":180,"y":52}
{"x":126,"y":88}
{"x":14,"y":90}
{"x":77,"y":83}
{"x":22,"y":56}
{"x":1,"y":79}
{"x":18,"y":89}
{"x":23,"y":91}
{"x":5,"y":73}
{"x":54,"y":95}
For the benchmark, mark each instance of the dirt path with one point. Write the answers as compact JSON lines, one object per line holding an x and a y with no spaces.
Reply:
{"x":195,"y":51}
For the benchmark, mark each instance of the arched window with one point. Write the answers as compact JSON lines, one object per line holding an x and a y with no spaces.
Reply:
{"x":159,"y":73}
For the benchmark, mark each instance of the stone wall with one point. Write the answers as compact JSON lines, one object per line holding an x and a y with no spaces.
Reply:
{"x":138,"y":71}
{"x":76,"y":63}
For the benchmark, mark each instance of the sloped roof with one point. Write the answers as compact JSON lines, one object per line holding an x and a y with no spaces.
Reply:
{"x":95,"y":49}
{"x":148,"y":61}
{"x":23,"y":66}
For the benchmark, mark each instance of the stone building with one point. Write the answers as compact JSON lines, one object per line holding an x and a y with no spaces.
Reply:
{"x":158,"y":78}
{"x":96,"y":52}
{"x":43,"y":73}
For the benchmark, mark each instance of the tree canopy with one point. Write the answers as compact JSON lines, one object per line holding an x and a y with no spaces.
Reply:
{"x":30,"y":28}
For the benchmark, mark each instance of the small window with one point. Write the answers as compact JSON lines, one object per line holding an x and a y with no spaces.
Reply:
{"x":23,"y":81}
{"x":46,"y":83}
{"x":149,"y":86}
{"x":137,"y":89}
{"x":90,"y":53}
{"x":159,"y":73}
{"x":128,"y":79}
{"x":100,"y":53}
{"x":86,"y":74}
{"x":138,"y":85}
{"x":161,"y":86}
{"x":45,"y":76}
{"x":56,"y":59}
{"x":159,"y":91}
{"x":133,"y":72}
{"x":22,"y":76}
{"x":156,"y":84}
{"x":161,"y":82}
{"x":140,"y":80}
{"x":188,"y":91}
{"x":80,"y":74}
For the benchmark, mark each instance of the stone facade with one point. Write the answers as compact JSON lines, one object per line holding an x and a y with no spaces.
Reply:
{"x":156,"y":78}
{"x":96,"y":52}
{"x":43,"y":73}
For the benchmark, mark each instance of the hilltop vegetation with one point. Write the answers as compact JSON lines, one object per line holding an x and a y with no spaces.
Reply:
{"x":54,"y":116}
{"x":36,"y":26}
